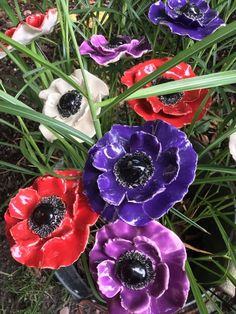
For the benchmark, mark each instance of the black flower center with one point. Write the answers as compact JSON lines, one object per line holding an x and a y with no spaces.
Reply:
{"x":69,"y":103}
{"x":115,"y":42}
{"x":191,"y":11}
{"x":134,"y":270}
{"x":133,"y":170}
{"x":170,"y":99}
{"x":47,"y":216}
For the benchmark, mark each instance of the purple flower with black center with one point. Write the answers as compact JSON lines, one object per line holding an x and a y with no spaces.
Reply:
{"x":140,"y":269}
{"x":193,"y":18}
{"x":104,"y":52}
{"x":137,"y":173}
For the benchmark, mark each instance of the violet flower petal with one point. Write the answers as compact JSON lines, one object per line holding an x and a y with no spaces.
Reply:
{"x":168,"y":164}
{"x":133,"y":214}
{"x":148,"y":247}
{"x":167,"y":293}
{"x":142,"y":141}
{"x":108,"y":284}
{"x":104,"y":52}
{"x":114,"y":248}
{"x":161,"y":282}
{"x":195,"y":25}
{"x":134,"y":300}
{"x":105,"y":157}
{"x":110,"y":190}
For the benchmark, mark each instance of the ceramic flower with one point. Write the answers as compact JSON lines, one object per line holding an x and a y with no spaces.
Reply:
{"x":32,"y":27}
{"x":140,"y":269}
{"x":48,"y":223}
{"x":136,"y":173}
{"x":177,"y":109}
{"x":232,"y":145}
{"x":192,"y":18}
{"x":65,"y":104}
{"x":105,"y":52}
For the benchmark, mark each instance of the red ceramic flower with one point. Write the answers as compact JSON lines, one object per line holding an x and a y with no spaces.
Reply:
{"x":32,"y":27}
{"x":177,"y":109}
{"x":48,"y":223}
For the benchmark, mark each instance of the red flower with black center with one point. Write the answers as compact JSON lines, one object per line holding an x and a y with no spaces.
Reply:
{"x":48,"y":223}
{"x":177,"y":109}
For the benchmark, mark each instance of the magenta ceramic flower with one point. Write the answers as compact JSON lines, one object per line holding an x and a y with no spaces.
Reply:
{"x":192,"y":18}
{"x":137,"y":173}
{"x":140,"y":269}
{"x":105,"y":52}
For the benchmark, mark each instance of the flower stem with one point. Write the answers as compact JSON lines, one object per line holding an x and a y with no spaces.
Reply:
{"x":89,"y":278}
{"x":96,"y":121}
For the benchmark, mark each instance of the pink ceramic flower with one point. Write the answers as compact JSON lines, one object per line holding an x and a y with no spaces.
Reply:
{"x":32,"y":27}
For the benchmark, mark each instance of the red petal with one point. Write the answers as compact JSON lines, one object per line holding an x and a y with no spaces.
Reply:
{"x":10,"y":222}
{"x":143,"y":108}
{"x":48,"y":185}
{"x":22,"y":205}
{"x":180,"y":109}
{"x":70,"y":173}
{"x":35,"y":20}
{"x":64,"y":228}
{"x":23,"y":235}
{"x":30,"y":256}
{"x":83,"y":214}
{"x":9,"y":32}
{"x":60,"y":252}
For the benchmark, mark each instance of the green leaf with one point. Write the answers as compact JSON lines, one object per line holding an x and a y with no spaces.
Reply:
{"x":195,"y":290}
{"x":204,"y":81}
{"x":8,"y":10}
{"x":188,"y":220}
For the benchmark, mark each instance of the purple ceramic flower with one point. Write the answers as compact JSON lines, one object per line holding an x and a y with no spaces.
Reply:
{"x":105,"y":52}
{"x":137,"y":173}
{"x":193,"y":18}
{"x":140,"y":269}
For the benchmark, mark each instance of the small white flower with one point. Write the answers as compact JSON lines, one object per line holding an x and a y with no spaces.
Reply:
{"x":32,"y":27}
{"x":232,"y":145}
{"x":65,"y":104}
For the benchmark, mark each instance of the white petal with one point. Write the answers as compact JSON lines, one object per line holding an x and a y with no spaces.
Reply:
{"x":49,"y":22}
{"x":232,"y":145}
{"x":25,"y":33}
{"x":46,"y":133}
{"x":97,"y":87}
{"x":50,"y":105}
{"x":85,"y":125}
{"x":2,"y":54}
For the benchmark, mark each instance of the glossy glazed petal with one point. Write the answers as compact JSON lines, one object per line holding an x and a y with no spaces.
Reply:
{"x":158,"y":158}
{"x":179,"y":113}
{"x":168,"y":289}
{"x":82,"y":119}
{"x":194,"y":18}
{"x":104,"y":53}
{"x":69,"y":236}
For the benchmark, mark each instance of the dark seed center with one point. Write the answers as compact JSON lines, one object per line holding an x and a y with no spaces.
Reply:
{"x":69,"y":103}
{"x":134,"y":270}
{"x":191,"y":11}
{"x":115,"y":42}
{"x":170,"y":99}
{"x":133,"y":170}
{"x":47,"y":216}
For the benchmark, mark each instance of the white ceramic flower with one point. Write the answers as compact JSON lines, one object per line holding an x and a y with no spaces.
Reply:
{"x":64,"y":103}
{"x":232,"y":145}
{"x":32,"y":27}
